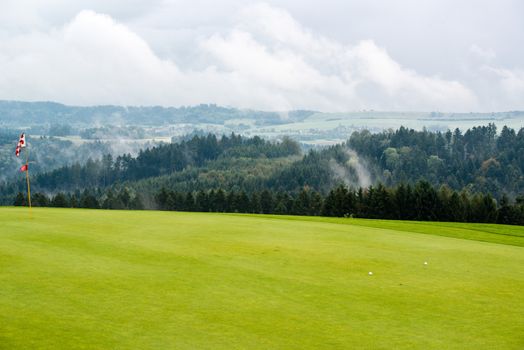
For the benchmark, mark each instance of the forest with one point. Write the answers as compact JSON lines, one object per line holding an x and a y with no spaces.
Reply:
{"x":421,"y":202}
{"x":473,"y":164}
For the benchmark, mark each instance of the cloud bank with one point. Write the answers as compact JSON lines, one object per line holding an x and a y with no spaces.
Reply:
{"x":263,"y":59}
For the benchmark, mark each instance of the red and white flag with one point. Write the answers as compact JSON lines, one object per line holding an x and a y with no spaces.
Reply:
{"x":21,"y":144}
{"x":24,"y":167}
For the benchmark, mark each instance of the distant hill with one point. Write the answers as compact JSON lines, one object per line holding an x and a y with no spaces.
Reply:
{"x":15,"y":113}
{"x":311,"y":128}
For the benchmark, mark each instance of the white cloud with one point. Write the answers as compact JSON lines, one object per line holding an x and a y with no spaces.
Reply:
{"x":481,"y":53}
{"x":512,"y":81}
{"x":90,"y":60}
{"x":265,"y":59}
{"x":405,"y":87}
{"x":505,"y":87}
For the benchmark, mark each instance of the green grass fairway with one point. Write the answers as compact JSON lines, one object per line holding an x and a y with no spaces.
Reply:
{"x":93,"y":279}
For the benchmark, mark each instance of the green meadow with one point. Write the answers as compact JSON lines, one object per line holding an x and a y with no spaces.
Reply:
{"x":94,"y":279}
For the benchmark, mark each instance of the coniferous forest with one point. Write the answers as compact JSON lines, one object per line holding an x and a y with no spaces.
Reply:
{"x":476,"y":175}
{"x":421,"y":202}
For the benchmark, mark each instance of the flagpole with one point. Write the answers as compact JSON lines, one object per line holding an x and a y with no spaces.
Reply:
{"x":27,"y":178}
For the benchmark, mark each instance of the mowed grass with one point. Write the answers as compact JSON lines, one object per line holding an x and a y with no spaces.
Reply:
{"x":93,"y":279}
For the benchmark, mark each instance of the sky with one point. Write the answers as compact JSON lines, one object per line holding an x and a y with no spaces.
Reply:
{"x":326,"y":55}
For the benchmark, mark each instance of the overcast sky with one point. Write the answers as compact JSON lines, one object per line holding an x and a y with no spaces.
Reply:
{"x":329,"y":55}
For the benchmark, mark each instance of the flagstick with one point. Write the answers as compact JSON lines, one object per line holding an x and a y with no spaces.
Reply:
{"x":27,"y":179}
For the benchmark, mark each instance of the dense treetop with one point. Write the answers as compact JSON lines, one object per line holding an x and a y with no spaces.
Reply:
{"x":478,"y":159}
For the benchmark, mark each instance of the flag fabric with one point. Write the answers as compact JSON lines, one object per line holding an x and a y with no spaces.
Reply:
{"x":24,"y":167}
{"x":21,"y":144}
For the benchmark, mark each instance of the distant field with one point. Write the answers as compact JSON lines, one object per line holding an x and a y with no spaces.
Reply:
{"x":93,"y":279}
{"x":317,"y":124}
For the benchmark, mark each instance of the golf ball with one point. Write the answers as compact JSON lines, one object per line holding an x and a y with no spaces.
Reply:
{"x":370,"y":273}
{"x":425,"y":262}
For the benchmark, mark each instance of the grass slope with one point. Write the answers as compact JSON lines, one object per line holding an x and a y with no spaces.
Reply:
{"x":162,"y":280}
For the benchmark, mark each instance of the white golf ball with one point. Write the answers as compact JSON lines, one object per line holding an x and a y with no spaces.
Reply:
{"x":370,"y":273}
{"x":425,"y":262}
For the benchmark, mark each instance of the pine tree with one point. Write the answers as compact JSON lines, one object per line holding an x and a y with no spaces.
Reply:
{"x":59,"y":201}
{"x":266,"y":202}
{"x":220,"y":201}
{"x":40,"y":200}
{"x":136,"y":203}
{"x":255,"y":205}
{"x":189,"y":202}
{"x":427,"y":202}
{"x":161,"y":198}
{"x":328,"y":207}
{"x":202,"y":201}
{"x":243,"y":203}
{"x":19,"y":200}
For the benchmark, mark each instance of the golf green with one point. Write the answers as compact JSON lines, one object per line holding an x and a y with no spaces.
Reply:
{"x":95,"y":279}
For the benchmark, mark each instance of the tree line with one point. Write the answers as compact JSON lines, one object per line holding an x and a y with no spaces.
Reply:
{"x":421,"y":202}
